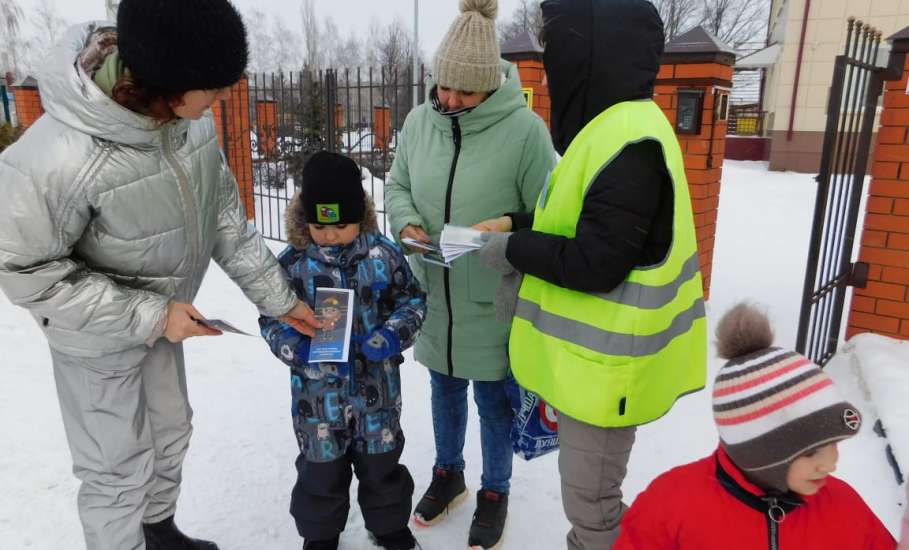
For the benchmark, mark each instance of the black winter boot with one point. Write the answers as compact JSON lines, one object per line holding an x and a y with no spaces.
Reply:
{"x":446,"y":490}
{"x":401,"y":539}
{"x":488,"y":521}
{"x":164,"y":535}
{"x":330,"y":544}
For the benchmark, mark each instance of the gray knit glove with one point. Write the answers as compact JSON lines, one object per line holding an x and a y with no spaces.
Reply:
{"x":492,"y":254}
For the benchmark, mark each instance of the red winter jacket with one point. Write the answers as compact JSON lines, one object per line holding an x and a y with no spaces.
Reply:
{"x":709,"y":505}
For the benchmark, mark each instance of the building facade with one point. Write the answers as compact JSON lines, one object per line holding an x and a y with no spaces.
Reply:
{"x":816,"y":29}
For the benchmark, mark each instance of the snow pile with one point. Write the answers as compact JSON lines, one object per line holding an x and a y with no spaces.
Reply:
{"x":882,"y":365}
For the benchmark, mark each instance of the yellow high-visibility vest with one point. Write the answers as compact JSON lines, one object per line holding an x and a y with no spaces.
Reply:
{"x":620,"y":358}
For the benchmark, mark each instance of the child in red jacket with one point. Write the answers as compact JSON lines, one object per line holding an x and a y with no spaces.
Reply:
{"x":768,"y":486}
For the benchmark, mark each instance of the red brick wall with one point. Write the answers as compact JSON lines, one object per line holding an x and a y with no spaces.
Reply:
{"x":28,"y":106}
{"x":532,"y":73}
{"x":239,"y":144}
{"x":703,"y":152}
{"x":883,"y":307}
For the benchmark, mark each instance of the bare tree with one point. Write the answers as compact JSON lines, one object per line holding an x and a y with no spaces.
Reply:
{"x":678,"y":15}
{"x":736,"y":21}
{"x":47,"y":28}
{"x":347,"y":53}
{"x":287,"y":47}
{"x":310,"y":27}
{"x":527,"y":17}
{"x":328,"y":46}
{"x":261,"y":42}
{"x":373,"y":36}
{"x":10,"y":40}
{"x":391,"y":53}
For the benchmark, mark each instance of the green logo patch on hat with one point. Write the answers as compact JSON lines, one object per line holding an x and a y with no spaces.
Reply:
{"x":328,"y":213}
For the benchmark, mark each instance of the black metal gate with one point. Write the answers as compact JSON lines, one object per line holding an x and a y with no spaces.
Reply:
{"x":857,"y":86}
{"x":355,"y":112}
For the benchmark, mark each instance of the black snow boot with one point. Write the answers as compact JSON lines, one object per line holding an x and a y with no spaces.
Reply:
{"x":402,"y":539}
{"x":164,"y":535}
{"x":330,"y":544}
{"x":446,"y":490}
{"x":488,"y":521}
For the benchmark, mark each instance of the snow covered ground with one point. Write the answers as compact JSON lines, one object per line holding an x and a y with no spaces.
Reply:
{"x":239,"y":470}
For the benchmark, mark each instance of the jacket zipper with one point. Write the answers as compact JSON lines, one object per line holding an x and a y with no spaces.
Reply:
{"x":775,"y":516}
{"x":456,"y":136}
{"x":774,"y":508}
{"x":192,"y":222}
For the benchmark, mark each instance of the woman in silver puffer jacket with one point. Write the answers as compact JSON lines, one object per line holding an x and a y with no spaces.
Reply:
{"x":114,"y":203}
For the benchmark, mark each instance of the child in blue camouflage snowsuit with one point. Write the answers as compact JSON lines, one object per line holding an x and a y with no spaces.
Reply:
{"x":348,"y":414}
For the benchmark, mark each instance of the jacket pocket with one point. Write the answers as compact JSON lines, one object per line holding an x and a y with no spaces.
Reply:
{"x":482,"y":282}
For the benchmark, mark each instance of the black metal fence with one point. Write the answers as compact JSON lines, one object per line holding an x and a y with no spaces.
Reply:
{"x":355,"y":112}
{"x":854,"y":95}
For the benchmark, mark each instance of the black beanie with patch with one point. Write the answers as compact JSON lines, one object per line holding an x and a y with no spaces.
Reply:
{"x":182,"y":45}
{"x":332,"y":190}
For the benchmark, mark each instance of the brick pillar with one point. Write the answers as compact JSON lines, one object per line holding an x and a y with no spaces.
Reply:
{"x":697,"y":68}
{"x":339,"y":116}
{"x":232,"y":118}
{"x":525,"y":52}
{"x":381,"y":126}
{"x":267,"y":127}
{"x":532,"y":73}
{"x":882,"y":307}
{"x":28,"y":102}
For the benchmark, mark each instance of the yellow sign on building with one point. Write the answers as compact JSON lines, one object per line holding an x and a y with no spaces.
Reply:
{"x":528,"y":96}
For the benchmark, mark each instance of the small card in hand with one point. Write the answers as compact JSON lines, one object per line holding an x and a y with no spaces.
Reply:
{"x":223,"y":326}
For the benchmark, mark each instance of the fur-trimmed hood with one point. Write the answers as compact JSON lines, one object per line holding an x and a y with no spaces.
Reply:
{"x":298,"y":228}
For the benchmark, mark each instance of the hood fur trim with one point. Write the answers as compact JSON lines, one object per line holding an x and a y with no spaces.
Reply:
{"x":298,"y":228}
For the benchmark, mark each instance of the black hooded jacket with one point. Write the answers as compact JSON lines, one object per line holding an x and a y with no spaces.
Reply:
{"x":599,"y":53}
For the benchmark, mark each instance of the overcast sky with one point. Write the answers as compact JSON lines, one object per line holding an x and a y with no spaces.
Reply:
{"x":435,"y":15}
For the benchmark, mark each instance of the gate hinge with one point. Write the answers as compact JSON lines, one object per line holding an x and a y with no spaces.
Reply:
{"x":858,"y":276}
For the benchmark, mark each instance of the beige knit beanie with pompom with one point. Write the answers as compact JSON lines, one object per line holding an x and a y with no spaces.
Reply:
{"x":468,"y":57}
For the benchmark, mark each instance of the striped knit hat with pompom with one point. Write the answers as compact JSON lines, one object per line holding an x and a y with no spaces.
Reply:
{"x":771,"y":405}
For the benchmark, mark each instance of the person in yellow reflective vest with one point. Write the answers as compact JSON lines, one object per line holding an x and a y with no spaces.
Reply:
{"x":608,"y":324}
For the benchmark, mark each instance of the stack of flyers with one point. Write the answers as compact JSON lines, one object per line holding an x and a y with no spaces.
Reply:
{"x":429,"y":252}
{"x":334,"y":308}
{"x":457,"y":241}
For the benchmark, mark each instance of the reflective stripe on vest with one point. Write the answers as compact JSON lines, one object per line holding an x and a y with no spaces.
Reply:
{"x":617,"y":358}
{"x":604,"y":341}
{"x":652,"y":297}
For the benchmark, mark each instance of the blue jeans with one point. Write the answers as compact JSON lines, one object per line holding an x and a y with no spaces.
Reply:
{"x":449,"y":423}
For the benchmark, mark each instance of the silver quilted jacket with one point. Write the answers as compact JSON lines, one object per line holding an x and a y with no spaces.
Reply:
{"x":105,"y":217}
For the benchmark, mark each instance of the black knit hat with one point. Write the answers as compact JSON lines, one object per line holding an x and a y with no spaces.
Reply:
{"x":332,"y":190}
{"x":182,"y":45}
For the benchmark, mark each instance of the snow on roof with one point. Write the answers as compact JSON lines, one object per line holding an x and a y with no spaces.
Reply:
{"x":760,"y":59}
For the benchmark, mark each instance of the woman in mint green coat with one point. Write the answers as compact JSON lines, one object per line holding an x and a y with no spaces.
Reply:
{"x":472,"y":152}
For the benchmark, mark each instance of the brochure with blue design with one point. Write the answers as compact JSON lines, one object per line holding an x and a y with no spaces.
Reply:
{"x":334,"y":308}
